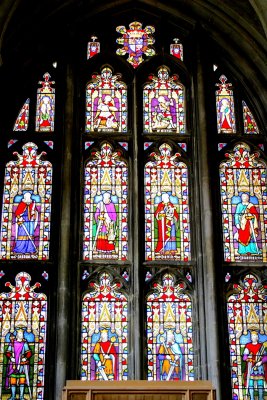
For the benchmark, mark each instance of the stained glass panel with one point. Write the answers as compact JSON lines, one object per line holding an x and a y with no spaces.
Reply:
{"x":26,"y":210}
{"x":163,"y":102}
{"x":104,"y":332}
{"x":45,"y":108}
{"x":244,"y":210}
{"x":225,"y":107}
{"x":167,"y":228}
{"x":106,"y":206}
{"x":169,"y":332}
{"x":106,"y":103}
{"x":250,"y":125}
{"x":93,"y":48}
{"x":136,"y":41}
{"x":23,"y":325}
{"x":22,"y":120}
{"x":176,"y":49}
{"x":247,"y":328}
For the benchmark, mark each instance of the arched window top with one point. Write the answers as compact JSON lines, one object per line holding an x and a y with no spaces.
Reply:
{"x":22,"y":120}
{"x":45,"y":107}
{"x":225,"y":107}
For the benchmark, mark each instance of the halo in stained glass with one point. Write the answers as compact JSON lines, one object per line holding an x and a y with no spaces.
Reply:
{"x":250,"y":125}
{"x":106,"y":206}
{"x":45,"y":107}
{"x":26,"y":209}
{"x":136,"y":42}
{"x":169,"y":332}
{"x":106,"y":103}
{"x":225,"y":107}
{"x":167,"y":225}
{"x":22,"y":120}
{"x":243,"y":201}
{"x":104,"y":331}
{"x":23,"y":326}
{"x":246,"y":311}
{"x":164,"y":105}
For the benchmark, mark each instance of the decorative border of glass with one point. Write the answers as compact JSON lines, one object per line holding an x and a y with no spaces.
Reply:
{"x":22,"y":120}
{"x":250,"y":125}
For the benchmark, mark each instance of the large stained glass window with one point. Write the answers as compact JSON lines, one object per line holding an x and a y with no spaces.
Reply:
{"x":106,"y":206}
{"x":169,"y":332}
{"x":225,"y":107}
{"x":243,"y":201}
{"x":26,"y":210}
{"x":104,"y":331}
{"x":23,"y":326}
{"x":167,"y":227}
{"x":164,"y":105}
{"x":250,"y":125}
{"x":45,"y":108}
{"x":22,"y":120}
{"x":247,"y":327}
{"x":106,"y":103}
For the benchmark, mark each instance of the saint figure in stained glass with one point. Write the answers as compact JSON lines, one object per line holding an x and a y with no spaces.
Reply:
{"x":22,"y":120}
{"x":22,"y":340}
{"x":45,"y":108}
{"x":105,"y":206}
{"x":246,"y":309}
{"x":166,"y":207}
{"x":243,"y":196}
{"x":106,"y":103}
{"x":169,"y":332}
{"x":136,"y":41}
{"x":225,"y":107}
{"x":104,"y":332}
{"x":250,"y":125}
{"x":164,"y":108}
{"x":26,"y":211}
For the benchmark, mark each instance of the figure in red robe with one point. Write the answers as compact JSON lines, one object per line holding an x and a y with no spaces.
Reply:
{"x":167,"y":217}
{"x":106,"y":357}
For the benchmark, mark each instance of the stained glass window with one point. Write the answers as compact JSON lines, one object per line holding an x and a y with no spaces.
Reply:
{"x":250,"y":125}
{"x":169,"y":332}
{"x":167,"y":228}
{"x":247,"y":328}
{"x":176,"y":49}
{"x":244,"y":199}
{"x":225,"y":107}
{"x":23,"y":326}
{"x":136,"y":42}
{"x":104,"y":331}
{"x":93,"y":48}
{"x":22,"y":120}
{"x":106,"y":206}
{"x":45,"y":108}
{"x":106,"y":103}
{"x":163,"y":102}
{"x":26,"y":210}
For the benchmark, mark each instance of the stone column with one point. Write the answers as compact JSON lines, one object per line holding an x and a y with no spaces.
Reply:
{"x":62,"y":326}
{"x":206,"y":277}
